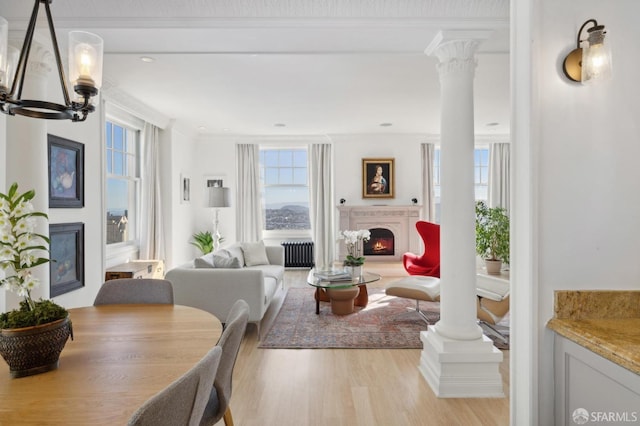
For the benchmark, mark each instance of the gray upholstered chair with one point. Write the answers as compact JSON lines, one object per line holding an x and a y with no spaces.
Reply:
{"x":130,"y":290}
{"x":234,"y":329}
{"x":184,"y":400}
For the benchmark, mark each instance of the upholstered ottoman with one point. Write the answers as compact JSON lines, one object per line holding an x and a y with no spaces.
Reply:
{"x":416,"y":287}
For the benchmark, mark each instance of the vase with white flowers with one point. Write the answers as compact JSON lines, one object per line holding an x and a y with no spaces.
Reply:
{"x":354,"y":241}
{"x":45,"y":323}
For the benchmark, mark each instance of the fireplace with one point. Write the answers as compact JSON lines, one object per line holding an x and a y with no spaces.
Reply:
{"x":397,"y":226}
{"x":381,"y":243}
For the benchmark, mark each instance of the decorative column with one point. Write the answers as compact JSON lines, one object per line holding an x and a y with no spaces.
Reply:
{"x":27,"y":153}
{"x":457,"y":359}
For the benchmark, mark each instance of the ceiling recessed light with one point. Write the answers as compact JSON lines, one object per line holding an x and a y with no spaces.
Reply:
{"x":386,"y":124}
{"x":280,"y":125}
{"x":494,"y":124}
{"x":202,"y":128}
{"x":147,"y":59}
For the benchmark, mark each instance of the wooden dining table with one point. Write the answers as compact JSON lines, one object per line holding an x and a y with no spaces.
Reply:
{"x":120,"y":356}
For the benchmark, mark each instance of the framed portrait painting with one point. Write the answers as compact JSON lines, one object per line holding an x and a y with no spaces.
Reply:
{"x":66,"y":172}
{"x":378,"y":178}
{"x":67,"y":257}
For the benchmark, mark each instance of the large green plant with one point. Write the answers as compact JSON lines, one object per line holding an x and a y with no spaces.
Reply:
{"x":204,"y":241}
{"x":492,"y":232}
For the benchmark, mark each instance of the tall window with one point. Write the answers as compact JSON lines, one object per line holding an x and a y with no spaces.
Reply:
{"x":122,"y":182}
{"x":481,"y":176}
{"x":285,"y":189}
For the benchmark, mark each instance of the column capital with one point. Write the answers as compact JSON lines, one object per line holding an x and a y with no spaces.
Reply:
{"x":41,"y":57}
{"x":455,"y":49}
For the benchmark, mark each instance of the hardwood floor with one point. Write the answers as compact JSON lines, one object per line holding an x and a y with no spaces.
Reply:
{"x":347,"y":386}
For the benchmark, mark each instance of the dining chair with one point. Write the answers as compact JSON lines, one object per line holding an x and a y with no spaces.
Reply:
{"x":134,"y":290}
{"x":184,"y":400}
{"x":234,"y":329}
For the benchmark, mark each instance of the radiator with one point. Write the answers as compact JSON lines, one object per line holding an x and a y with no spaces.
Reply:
{"x":298,"y":254}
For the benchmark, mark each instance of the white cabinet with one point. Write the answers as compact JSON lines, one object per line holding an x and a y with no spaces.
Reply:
{"x":591,"y":388}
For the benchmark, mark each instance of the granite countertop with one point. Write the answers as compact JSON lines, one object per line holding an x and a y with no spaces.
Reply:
{"x":603,"y":321}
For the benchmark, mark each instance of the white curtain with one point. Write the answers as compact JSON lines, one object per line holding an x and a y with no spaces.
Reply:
{"x":499,"y":171}
{"x":321,"y":206}
{"x":428,"y":201}
{"x":151,"y":234}
{"x":248,"y":198}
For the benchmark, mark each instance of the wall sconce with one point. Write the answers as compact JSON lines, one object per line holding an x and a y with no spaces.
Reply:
{"x":591,"y":60}
{"x":342,"y":201}
{"x":414,"y":201}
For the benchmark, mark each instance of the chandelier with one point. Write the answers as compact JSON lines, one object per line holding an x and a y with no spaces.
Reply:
{"x":85,"y":72}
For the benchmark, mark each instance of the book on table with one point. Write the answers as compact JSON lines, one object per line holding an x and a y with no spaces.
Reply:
{"x":333,"y":275}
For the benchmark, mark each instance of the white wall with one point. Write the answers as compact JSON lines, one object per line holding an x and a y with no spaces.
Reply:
{"x":588,"y":176}
{"x":177,"y":158}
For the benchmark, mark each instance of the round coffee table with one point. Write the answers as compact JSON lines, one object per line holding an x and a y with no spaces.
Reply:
{"x":343,"y":295}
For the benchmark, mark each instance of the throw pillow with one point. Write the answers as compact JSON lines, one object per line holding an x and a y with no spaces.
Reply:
{"x":226,"y":262}
{"x":254,"y":254}
{"x":205,"y":261}
{"x":236,"y":251}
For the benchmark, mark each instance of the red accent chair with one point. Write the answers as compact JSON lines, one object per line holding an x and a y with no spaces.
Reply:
{"x":428,"y":263}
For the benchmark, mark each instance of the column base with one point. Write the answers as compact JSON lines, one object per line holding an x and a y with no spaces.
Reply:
{"x":461,"y":368}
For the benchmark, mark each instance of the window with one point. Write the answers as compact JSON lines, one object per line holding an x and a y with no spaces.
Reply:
{"x":481,"y":176}
{"x":285,"y":189}
{"x":122,"y":183}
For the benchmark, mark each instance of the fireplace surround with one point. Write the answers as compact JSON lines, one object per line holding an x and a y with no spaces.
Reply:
{"x":399,"y":220}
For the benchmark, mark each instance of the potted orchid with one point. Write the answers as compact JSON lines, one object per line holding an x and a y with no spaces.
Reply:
{"x":22,"y":249}
{"x":354,"y":241}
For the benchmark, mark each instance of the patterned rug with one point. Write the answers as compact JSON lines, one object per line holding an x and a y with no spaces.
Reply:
{"x":386,"y":323}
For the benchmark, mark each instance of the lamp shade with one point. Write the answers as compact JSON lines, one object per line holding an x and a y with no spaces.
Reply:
{"x":596,"y":56}
{"x":219,"y":197}
{"x":85,"y":59}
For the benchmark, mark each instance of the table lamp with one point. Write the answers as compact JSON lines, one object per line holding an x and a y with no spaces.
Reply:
{"x":218,"y":198}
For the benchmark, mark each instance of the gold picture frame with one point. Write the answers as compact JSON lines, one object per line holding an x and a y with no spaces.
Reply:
{"x":378,"y":180}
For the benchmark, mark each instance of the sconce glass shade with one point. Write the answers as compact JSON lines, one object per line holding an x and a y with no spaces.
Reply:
{"x":590,"y":61}
{"x":596,"y":57}
{"x":219,"y":197}
{"x":4,"y":58}
{"x":85,"y":59}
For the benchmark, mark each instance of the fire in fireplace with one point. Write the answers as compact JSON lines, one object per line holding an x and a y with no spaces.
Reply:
{"x":381,"y":243}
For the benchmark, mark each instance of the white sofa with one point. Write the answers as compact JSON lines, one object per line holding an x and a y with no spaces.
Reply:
{"x":215,"y":289}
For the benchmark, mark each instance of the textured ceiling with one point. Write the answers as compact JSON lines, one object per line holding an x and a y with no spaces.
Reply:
{"x":319,"y":67}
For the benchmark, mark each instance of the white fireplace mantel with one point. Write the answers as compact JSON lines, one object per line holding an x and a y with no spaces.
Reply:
{"x":401,"y":220}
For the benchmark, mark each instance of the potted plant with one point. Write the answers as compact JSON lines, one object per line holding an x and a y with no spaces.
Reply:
{"x":353,"y":240}
{"x":203,"y":241}
{"x":492,"y":236}
{"x":31,"y":337}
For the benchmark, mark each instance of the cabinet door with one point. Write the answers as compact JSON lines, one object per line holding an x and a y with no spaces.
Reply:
{"x":592,"y":386}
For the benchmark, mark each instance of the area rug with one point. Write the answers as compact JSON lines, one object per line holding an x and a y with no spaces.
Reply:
{"x":385,"y":323}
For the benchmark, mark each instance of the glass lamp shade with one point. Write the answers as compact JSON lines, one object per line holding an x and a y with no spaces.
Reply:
{"x":85,"y":59}
{"x":4,"y":59}
{"x":596,"y":57}
{"x":219,"y":197}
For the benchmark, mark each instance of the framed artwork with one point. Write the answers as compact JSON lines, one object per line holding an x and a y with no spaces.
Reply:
{"x":185,"y":189}
{"x":378,"y":178}
{"x":67,"y":258}
{"x":66,"y":172}
{"x":215,"y":181}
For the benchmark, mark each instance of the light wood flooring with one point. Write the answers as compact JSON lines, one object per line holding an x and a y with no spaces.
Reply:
{"x":347,"y":386}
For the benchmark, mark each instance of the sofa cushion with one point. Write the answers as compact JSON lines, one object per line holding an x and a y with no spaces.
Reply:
{"x":226,"y":262}
{"x":273,"y":271}
{"x":205,"y":261}
{"x":254,"y":254}
{"x":236,"y":251}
